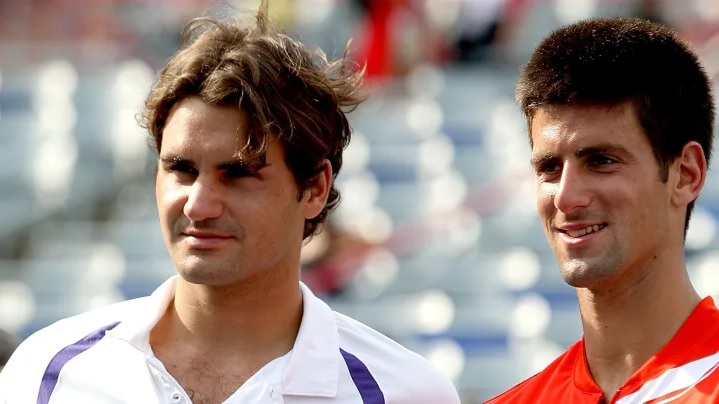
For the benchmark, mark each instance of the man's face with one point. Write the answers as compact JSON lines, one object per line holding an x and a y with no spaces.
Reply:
{"x":599,"y":194}
{"x":224,"y":220}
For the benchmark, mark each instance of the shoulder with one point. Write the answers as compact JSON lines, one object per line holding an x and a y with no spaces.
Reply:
{"x":402,"y":375}
{"x":558,"y":375}
{"x":70,"y":330}
{"x":25,"y":369}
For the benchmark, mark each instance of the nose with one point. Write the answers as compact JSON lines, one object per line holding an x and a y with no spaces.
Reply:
{"x":204,"y":200}
{"x":572,"y":191}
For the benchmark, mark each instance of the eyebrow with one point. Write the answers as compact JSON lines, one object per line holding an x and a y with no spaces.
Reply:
{"x":227,"y":165}
{"x":171,"y":158}
{"x":541,"y":159}
{"x":602,"y":148}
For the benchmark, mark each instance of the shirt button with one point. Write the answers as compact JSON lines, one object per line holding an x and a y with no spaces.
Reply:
{"x":176,"y":397}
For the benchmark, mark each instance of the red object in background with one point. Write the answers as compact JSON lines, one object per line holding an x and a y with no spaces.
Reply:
{"x":375,"y":37}
{"x":383,"y":32}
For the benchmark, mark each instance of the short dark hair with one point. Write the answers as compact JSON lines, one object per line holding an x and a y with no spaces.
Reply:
{"x":288,"y":90}
{"x":607,"y":61}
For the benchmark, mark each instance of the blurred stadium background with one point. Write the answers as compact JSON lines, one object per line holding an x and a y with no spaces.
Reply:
{"x":436,"y":243}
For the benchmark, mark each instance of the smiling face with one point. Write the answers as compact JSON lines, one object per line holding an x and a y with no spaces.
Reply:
{"x":599,"y":194}
{"x":225,"y":219}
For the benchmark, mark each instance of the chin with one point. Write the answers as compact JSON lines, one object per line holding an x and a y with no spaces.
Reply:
{"x":209,"y":277}
{"x":585,"y":274}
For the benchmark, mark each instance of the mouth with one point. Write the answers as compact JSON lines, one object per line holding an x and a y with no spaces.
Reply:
{"x":581,"y":232}
{"x":205,"y":241}
{"x":204,"y":235}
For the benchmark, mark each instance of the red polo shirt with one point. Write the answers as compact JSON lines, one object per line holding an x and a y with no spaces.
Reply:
{"x":683,"y":371}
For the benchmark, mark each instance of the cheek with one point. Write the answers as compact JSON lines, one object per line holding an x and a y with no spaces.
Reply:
{"x":169,"y":196}
{"x":545,"y":198}
{"x":159,"y":193}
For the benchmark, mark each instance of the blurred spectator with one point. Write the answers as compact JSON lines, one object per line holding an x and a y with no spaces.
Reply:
{"x":8,"y":343}
{"x":478,"y":24}
{"x":394,"y":36}
{"x":331,"y":258}
{"x":650,"y":10}
{"x":92,"y":33}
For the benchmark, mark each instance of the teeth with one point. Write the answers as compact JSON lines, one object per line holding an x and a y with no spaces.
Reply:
{"x":582,"y":232}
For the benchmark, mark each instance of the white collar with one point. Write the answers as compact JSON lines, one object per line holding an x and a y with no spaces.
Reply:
{"x":313,"y":366}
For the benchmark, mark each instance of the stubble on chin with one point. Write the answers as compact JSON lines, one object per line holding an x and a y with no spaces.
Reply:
{"x":590,"y":273}
{"x":580,"y":274}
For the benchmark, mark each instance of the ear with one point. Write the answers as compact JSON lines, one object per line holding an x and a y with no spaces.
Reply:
{"x":690,"y":170}
{"x":315,"y":196}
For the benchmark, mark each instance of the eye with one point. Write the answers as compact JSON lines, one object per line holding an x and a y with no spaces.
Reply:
{"x":600,"y":160}
{"x":182,"y":168}
{"x":547,"y":168}
{"x":239,"y":171}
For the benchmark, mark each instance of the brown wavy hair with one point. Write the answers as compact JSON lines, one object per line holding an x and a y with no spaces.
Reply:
{"x":289,"y":92}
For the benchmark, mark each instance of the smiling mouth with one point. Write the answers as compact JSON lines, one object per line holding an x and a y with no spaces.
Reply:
{"x":584,"y":231}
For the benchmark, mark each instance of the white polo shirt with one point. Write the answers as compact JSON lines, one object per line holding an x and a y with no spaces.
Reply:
{"x":104,"y":356}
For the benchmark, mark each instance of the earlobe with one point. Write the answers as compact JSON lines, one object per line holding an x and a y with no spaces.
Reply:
{"x":692,"y":172}
{"x":318,"y":191}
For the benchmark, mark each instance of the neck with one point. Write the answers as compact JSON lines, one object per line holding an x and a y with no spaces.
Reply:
{"x":258,"y":318}
{"x":625,"y":326}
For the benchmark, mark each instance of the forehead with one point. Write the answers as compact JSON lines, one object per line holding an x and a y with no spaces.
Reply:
{"x":566,"y":128}
{"x":194,"y":126}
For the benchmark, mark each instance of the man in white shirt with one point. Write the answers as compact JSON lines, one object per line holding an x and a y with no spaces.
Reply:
{"x":249,"y":127}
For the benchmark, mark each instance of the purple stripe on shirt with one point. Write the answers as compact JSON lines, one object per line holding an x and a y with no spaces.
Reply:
{"x":49,"y":379}
{"x":366,"y":384}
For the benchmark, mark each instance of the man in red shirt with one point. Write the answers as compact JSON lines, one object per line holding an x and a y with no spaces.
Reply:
{"x":620,"y":118}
